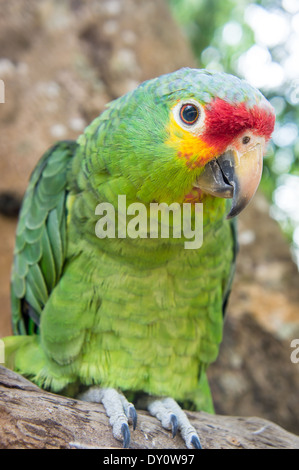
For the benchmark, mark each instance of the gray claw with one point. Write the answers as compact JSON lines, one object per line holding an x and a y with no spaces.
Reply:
{"x":196,"y":442}
{"x":174,"y":425}
{"x":170,"y":414}
{"x":126,"y":435}
{"x":133,"y":416}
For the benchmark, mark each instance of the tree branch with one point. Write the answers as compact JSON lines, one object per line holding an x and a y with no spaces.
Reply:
{"x":33,"y":418}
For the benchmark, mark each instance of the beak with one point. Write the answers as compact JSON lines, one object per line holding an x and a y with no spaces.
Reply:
{"x":233,"y":175}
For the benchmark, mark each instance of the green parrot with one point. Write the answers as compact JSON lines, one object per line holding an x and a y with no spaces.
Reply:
{"x":132,"y":321}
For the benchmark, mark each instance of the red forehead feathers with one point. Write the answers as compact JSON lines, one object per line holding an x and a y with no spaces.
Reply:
{"x":224,"y":121}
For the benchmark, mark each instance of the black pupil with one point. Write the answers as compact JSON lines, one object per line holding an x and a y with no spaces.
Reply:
{"x":189,"y":113}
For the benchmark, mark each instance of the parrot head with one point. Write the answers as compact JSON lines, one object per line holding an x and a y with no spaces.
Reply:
{"x":224,"y":132}
{"x":188,"y":135}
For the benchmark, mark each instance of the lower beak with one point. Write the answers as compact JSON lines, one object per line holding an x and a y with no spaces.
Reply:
{"x":233,"y":175}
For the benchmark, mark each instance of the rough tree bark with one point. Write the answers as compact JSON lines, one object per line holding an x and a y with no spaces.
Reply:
{"x":33,"y":418}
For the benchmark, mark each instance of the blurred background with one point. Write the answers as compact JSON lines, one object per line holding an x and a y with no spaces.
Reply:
{"x":62,"y":61}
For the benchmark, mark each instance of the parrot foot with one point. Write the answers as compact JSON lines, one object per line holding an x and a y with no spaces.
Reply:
{"x":171,"y":416}
{"x":118,"y":409}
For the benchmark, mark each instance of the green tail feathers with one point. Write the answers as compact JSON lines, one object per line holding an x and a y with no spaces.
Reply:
{"x":17,"y":353}
{"x":24,"y":355}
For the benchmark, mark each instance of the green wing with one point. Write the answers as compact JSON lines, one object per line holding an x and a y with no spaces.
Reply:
{"x":229,"y":283}
{"x":40,"y":247}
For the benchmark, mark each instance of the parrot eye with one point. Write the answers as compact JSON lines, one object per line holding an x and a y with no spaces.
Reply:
{"x":189,"y":113}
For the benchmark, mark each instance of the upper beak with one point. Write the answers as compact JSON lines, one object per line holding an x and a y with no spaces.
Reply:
{"x":233,"y":175}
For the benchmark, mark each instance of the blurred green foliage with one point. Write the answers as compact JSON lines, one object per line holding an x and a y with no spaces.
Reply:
{"x":258,"y":41}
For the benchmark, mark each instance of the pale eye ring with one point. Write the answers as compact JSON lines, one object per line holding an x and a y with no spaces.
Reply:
{"x":189,"y":114}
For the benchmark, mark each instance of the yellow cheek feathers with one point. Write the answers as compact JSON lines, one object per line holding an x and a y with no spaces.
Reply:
{"x":190,"y":148}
